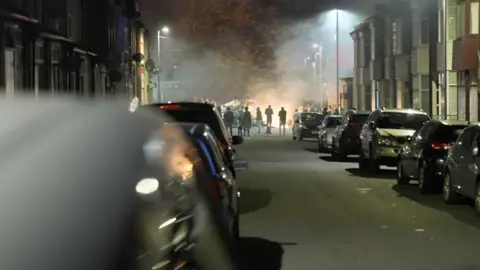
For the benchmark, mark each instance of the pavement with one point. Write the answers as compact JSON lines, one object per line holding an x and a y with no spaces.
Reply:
{"x":302,"y":211}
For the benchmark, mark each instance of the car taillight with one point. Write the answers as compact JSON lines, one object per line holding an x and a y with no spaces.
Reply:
{"x":441,"y":146}
{"x":169,"y":107}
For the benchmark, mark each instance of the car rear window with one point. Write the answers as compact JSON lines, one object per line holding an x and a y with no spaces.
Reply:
{"x":360,"y":118}
{"x":208,"y":117}
{"x":446,"y":133}
{"x":333,"y":122}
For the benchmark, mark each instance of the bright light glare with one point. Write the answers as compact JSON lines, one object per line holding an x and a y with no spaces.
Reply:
{"x":147,"y":186}
{"x":167,"y":223}
{"x":315,"y":45}
{"x":166,"y":30}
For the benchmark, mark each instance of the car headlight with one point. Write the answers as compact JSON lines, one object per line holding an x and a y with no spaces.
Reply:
{"x":302,"y":126}
{"x":385,"y":141}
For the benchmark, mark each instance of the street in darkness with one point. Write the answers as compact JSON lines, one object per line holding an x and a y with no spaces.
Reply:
{"x":302,"y":211}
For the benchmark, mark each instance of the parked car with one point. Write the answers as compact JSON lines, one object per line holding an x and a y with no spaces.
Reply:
{"x":346,"y":137}
{"x":222,"y":185}
{"x":462,"y":177}
{"x":325,"y":131}
{"x":191,"y":112}
{"x":305,"y":125}
{"x":423,"y":156}
{"x":383,"y":135}
{"x":110,"y":200}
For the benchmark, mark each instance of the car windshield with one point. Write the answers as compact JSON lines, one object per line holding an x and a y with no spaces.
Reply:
{"x":333,"y":122}
{"x":360,"y":118}
{"x":312,"y":117}
{"x":402,"y":120}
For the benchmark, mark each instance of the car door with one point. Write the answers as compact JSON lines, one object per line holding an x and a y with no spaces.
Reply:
{"x":462,"y":156}
{"x":364,"y":133}
{"x":322,"y":128}
{"x":337,"y":134}
{"x":369,"y":134}
{"x":418,"y":144}
{"x":468,"y":175}
{"x":408,"y":152}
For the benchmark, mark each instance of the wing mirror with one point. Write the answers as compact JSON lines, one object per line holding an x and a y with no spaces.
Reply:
{"x":240,"y":165}
{"x":236,"y":140}
{"x":371,"y":125}
{"x":475,"y":151}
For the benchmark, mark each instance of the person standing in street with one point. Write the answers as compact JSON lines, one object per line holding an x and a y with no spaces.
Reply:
{"x":282,"y":114}
{"x":269,"y":114}
{"x":228,"y":118}
{"x":240,"y":122}
{"x":259,"y":119}
{"x":246,"y":122}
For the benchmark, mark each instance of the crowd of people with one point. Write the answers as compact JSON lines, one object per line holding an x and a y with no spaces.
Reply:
{"x":245,"y":120}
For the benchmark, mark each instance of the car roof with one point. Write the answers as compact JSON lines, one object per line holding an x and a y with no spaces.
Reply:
{"x":452,"y":122}
{"x":84,"y":160}
{"x":410,"y":111}
{"x":185,"y":105}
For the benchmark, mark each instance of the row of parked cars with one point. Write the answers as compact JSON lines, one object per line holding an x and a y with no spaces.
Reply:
{"x":442,"y":155}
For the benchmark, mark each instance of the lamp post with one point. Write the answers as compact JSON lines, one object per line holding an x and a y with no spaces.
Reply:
{"x":164,"y":30}
{"x":337,"y":60}
{"x":319,"y":56}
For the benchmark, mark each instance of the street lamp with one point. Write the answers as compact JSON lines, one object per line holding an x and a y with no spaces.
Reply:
{"x":336,"y":60}
{"x":164,"y":30}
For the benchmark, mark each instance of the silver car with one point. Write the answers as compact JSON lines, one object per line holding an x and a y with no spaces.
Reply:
{"x":326,"y":130}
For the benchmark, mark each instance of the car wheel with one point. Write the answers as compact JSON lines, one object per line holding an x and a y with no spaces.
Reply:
{"x":424,"y":183}
{"x":401,"y":178}
{"x":450,"y":196}
{"x":361,"y":160}
{"x":320,"y":147}
{"x":477,"y":199}
{"x":294,"y":138}
{"x":300,"y":138}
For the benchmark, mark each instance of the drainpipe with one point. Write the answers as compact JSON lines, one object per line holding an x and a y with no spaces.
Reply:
{"x":467,"y":72}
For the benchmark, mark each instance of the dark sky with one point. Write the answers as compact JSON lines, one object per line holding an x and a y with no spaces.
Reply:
{"x":155,"y":12}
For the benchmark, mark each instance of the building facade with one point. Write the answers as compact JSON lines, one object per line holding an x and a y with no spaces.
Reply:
{"x":67,"y":47}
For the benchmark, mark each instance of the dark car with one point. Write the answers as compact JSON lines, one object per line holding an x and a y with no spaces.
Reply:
{"x":346,"y":137}
{"x":424,"y":155}
{"x":223,"y":186}
{"x":306,"y":124}
{"x":191,"y":112}
{"x":462,"y":174}
{"x":97,"y":196}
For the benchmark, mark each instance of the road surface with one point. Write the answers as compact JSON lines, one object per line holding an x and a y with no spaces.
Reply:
{"x":301,"y":211}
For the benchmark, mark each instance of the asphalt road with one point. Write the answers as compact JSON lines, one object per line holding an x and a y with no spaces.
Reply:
{"x":301,"y":211}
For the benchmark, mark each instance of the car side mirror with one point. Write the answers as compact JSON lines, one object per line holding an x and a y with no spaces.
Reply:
{"x":475,"y":151}
{"x":240,"y":165}
{"x":371,"y":125}
{"x":236,"y":140}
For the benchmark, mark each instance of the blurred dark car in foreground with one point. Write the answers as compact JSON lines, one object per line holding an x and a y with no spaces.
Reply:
{"x":423,"y":156}
{"x":223,"y":186}
{"x":462,"y":177}
{"x":101,"y":197}
{"x":192,"y":112}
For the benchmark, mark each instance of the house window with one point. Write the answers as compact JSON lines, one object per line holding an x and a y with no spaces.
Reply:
{"x":474,"y":13}
{"x":452,"y":22}
{"x":461,"y":20}
{"x":425,"y":82}
{"x":424,"y":32}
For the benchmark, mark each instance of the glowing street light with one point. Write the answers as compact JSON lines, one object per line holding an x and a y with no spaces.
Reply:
{"x":165,"y":30}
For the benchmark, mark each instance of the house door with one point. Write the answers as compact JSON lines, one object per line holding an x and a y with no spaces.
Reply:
{"x":9,"y":73}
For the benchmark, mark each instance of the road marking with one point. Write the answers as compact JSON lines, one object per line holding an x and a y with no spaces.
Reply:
{"x":364,"y":189}
{"x":384,"y":226}
{"x":419,"y":230}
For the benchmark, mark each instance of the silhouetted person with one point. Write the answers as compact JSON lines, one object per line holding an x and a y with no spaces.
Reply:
{"x":229,"y":118}
{"x":259,"y":119}
{"x":269,"y":114}
{"x":282,"y":114}
{"x":246,"y":122}
{"x":240,"y":122}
